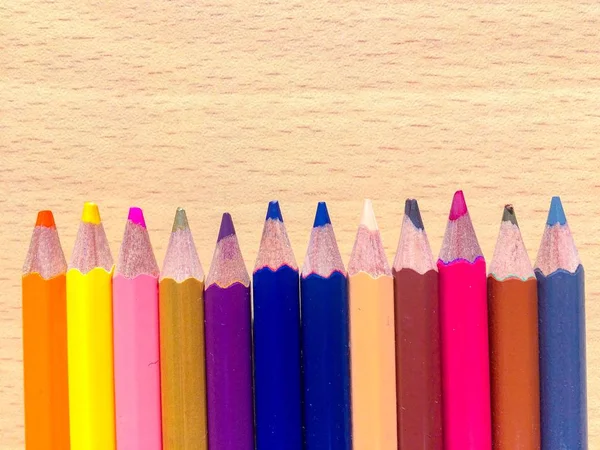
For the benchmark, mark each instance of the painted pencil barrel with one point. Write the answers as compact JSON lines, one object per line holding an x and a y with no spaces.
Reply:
{"x":183,"y":372}
{"x":45,"y":363}
{"x":229,"y":367}
{"x":277,"y":359}
{"x":465,"y":357}
{"x":326,"y":362}
{"x":418,"y":360}
{"x":136,"y":363}
{"x":372,"y":359}
{"x":561,"y":297}
{"x":90,"y":355}
{"x":514,"y":363}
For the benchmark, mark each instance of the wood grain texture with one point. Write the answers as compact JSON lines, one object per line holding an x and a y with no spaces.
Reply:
{"x":226,"y":105}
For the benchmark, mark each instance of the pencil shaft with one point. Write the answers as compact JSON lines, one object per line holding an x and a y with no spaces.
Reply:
{"x":562,"y":360}
{"x":514,"y":364}
{"x":277,"y":359}
{"x":229,"y":367}
{"x":136,"y":363}
{"x":373,"y":362}
{"x":45,"y":362}
{"x":418,"y":360}
{"x":326,"y":362}
{"x":183,"y":371}
{"x":90,"y":353}
{"x":465,"y":357}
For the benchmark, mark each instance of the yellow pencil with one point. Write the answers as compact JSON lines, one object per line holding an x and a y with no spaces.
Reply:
{"x":89,"y":334}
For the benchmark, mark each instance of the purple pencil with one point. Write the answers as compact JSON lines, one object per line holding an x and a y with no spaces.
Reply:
{"x":228,"y":346}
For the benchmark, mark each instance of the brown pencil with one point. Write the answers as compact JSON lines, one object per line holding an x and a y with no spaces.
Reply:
{"x":513,"y":322}
{"x":418,"y":359}
{"x":183,"y":374}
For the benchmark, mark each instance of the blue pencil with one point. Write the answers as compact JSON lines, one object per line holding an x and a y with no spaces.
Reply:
{"x":325,"y":335}
{"x":277,"y":339}
{"x":561,"y":300}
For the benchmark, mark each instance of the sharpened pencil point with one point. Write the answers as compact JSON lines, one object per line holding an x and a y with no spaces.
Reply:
{"x":459,"y":206}
{"x":509,"y":215}
{"x":411,"y":210}
{"x":136,"y":215}
{"x":227,"y":228}
{"x":368,"y":216}
{"x":322,"y":215}
{"x":273,"y":211}
{"x":556,"y":214}
{"x":91,"y":213}
{"x":45,"y":219}
{"x":180,"y":222}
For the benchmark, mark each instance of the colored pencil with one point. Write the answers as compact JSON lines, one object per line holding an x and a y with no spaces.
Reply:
{"x":276,"y":287}
{"x":464,"y":328}
{"x":418,"y":346}
{"x":45,"y":339}
{"x":182,"y":366}
{"x":136,"y":342}
{"x":325,"y":341}
{"x":514,"y":355}
{"x":373,"y":365}
{"x":90,"y":340}
{"x":229,"y":346}
{"x":561,"y":303}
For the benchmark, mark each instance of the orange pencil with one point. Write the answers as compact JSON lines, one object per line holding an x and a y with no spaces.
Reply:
{"x":45,"y":340}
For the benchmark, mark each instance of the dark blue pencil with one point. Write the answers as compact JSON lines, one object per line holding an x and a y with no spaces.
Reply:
{"x":277,"y":339}
{"x":561,"y":298}
{"x":325,"y":349}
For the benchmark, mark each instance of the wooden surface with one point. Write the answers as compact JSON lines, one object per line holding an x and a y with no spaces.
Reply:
{"x":225,"y":105}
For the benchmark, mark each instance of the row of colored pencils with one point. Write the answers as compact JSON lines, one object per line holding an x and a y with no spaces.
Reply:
{"x":417,"y":356}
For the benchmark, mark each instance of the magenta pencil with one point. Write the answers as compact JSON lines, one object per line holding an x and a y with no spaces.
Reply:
{"x":464,"y":335}
{"x":136,"y":340}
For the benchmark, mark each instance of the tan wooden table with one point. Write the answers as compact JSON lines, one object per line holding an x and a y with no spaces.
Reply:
{"x":225,"y":105}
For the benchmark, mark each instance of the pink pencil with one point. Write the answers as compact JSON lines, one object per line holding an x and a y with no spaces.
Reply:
{"x":464,"y":334}
{"x":136,"y":340}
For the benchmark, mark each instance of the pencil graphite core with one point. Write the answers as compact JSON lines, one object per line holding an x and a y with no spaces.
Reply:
{"x":514,"y":363}
{"x":183,"y":371}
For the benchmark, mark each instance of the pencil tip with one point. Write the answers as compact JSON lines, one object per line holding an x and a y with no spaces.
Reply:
{"x":411,"y":210}
{"x":227,"y":228}
{"x":136,"y":215}
{"x":322,"y":215}
{"x":368,"y":216}
{"x":459,"y":206}
{"x":509,"y":215}
{"x":91,"y":213}
{"x":556,"y":214}
{"x":180,"y":222}
{"x":45,"y":219}
{"x":273,"y":211}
